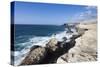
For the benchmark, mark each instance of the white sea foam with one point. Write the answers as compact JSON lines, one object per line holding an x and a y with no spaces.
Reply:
{"x":19,"y":55}
{"x":41,"y":41}
{"x":60,"y":36}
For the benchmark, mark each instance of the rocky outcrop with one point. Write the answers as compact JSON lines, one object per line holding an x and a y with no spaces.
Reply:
{"x":85,"y":48}
{"x":48,"y":54}
{"x":52,"y":45}
{"x":35,"y":55}
{"x":55,"y":49}
{"x":81,"y":47}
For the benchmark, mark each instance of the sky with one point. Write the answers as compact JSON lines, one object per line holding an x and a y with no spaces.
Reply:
{"x":53,"y":14}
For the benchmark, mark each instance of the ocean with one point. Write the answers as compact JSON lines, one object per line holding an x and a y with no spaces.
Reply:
{"x":27,"y":36}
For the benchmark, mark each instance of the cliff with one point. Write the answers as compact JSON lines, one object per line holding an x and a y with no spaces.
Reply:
{"x":81,"y":47}
{"x":85,"y":48}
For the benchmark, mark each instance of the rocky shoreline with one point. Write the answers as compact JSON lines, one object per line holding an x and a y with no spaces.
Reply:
{"x":85,"y":48}
{"x":81,"y":47}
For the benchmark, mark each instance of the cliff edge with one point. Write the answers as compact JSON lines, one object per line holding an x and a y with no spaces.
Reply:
{"x":85,"y":48}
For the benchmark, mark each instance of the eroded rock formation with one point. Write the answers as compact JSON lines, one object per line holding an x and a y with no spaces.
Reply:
{"x":35,"y":55}
{"x":85,"y":48}
{"x":81,"y":47}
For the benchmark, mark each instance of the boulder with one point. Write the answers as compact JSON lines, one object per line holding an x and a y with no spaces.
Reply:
{"x":52,"y":44}
{"x":36,"y":55}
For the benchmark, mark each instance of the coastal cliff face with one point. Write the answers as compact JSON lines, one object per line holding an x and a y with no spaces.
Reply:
{"x":81,"y":47}
{"x":85,"y":48}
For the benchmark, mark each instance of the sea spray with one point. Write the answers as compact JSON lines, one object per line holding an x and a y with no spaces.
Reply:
{"x":23,"y":47}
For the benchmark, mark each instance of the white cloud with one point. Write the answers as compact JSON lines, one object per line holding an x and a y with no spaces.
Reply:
{"x":89,"y":14}
{"x":90,"y":7}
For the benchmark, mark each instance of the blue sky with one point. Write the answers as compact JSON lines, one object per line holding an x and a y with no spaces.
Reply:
{"x":55,"y":14}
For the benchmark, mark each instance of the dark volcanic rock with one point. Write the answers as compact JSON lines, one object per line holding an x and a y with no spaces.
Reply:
{"x":55,"y":49}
